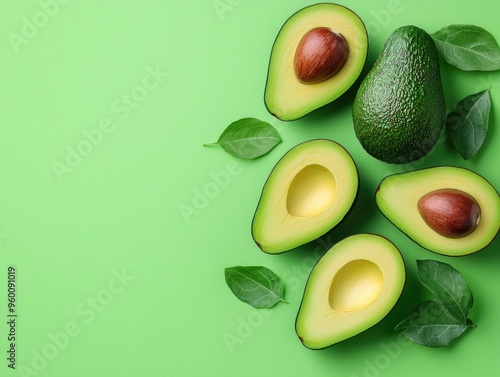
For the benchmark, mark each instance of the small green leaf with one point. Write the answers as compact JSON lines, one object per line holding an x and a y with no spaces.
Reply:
{"x":468,"y":47}
{"x":468,"y":123}
{"x":248,"y":138}
{"x":256,"y":285}
{"x":432,"y":325}
{"x":448,"y":285}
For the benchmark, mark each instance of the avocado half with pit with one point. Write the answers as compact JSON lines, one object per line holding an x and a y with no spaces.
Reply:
{"x":318,"y":54}
{"x":351,"y":288}
{"x":308,"y":192}
{"x":449,"y":210}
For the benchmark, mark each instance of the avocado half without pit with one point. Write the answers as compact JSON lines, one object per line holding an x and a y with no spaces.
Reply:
{"x":353,"y":286}
{"x":309,"y":191}
{"x":318,"y":54}
{"x":448,"y":210}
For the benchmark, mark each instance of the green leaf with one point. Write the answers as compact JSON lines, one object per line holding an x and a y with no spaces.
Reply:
{"x":432,"y":325}
{"x":468,"y":123}
{"x":256,"y":285}
{"x":435,"y":323}
{"x":448,"y":285}
{"x":248,"y":138}
{"x":468,"y":47}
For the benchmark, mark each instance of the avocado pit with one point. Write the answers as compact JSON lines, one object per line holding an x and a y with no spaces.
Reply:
{"x":320,"y":55}
{"x":451,"y":213}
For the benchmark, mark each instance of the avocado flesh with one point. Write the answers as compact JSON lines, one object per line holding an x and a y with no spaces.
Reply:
{"x":285,"y":96}
{"x":308,"y":192}
{"x":399,"y":110}
{"x":398,"y":195}
{"x":352,"y":287}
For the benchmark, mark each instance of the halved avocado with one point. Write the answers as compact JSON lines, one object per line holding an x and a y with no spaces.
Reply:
{"x":448,"y":210}
{"x":338,"y":55}
{"x":308,"y":192}
{"x":351,"y":288}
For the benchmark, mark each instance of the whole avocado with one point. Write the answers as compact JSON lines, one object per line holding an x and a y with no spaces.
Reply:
{"x":399,"y":109}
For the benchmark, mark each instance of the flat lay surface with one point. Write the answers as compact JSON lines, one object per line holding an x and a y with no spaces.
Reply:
{"x":116,"y":223}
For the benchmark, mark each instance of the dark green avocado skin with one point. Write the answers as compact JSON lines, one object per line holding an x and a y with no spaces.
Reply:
{"x":399,"y":110}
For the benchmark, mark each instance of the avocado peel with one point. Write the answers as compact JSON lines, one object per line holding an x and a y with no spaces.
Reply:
{"x":399,"y":110}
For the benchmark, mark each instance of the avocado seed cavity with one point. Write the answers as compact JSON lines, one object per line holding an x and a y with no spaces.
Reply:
{"x":320,"y":55}
{"x":312,"y":191}
{"x":355,"y":286}
{"x":449,"y":212}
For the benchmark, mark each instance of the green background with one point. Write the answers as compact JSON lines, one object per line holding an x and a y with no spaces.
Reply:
{"x":120,"y":249}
